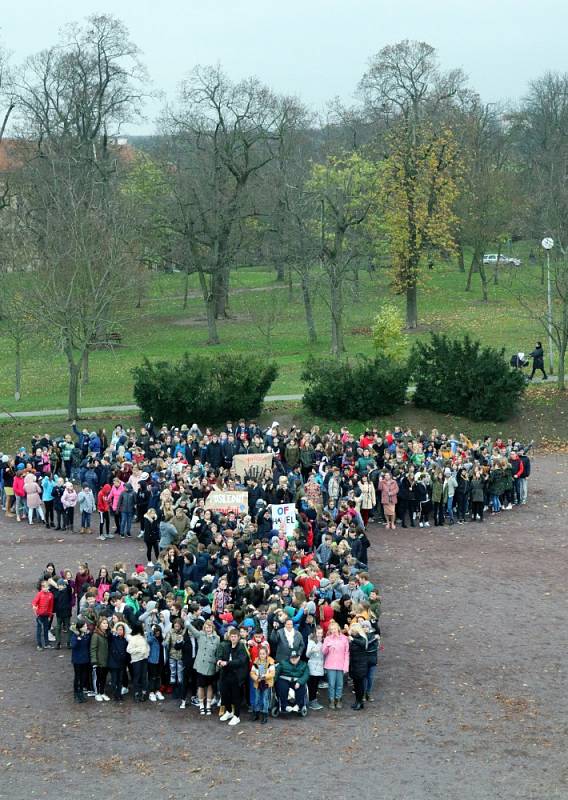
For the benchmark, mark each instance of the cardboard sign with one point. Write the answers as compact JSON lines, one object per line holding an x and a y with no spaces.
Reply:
{"x":284,"y":514}
{"x":252,"y":464}
{"x":228,"y":501}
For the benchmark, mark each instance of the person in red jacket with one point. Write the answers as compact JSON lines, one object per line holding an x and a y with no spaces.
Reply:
{"x":103,"y":507}
{"x":42,"y":605}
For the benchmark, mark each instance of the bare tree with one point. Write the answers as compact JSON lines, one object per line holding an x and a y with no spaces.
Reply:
{"x":71,"y":100}
{"x":228,"y":131}
{"x":78,"y":238}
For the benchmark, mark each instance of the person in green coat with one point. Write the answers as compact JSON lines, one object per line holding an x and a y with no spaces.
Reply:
{"x":291,"y":679}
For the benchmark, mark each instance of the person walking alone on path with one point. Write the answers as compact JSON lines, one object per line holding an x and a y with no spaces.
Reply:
{"x":537,"y":356}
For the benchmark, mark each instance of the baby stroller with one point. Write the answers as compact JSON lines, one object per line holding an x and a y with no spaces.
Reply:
{"x":297,"y":699}
{"x":518,"y":361}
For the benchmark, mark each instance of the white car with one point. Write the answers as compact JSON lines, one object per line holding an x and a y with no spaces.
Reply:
{"x":490,"y":259}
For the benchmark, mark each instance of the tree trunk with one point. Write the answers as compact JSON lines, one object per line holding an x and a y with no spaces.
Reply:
{"x":208,"y":297}
{"x":356,"y":286}
{"x":18,"y":382}
{"x":336,"y":297}
{"x":461,"y":262}
{"x":561,"y":368}
{"x":85,"y":368}
{"x":72,"y":402}
{"x":290,"y":284}
{"x":185,"y":288}
{"x":411,"y":307}
{"x":280,"y":272}
{"x":312,"y":335}
{"x":221,"y":291}
{"x":483,"y":276}
{"x":496,"y":270}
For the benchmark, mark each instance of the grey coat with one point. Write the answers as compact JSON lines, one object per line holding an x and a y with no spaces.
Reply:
{"x":206,"y":659}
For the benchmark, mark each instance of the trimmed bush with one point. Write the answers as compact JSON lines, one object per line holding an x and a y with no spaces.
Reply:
{"x":456,"y":376}
{"x":362,"y":390}
{"x":198,"y":389}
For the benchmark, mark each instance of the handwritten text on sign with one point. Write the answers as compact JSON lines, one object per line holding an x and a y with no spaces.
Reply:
{"x":284,"y":514}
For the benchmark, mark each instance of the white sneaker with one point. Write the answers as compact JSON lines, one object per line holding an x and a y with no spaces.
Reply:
{"x":150,"y":564}
{"x":426,"y":524}
{"x":101,"y":538}
{"x":160,"y":696}
{"x":152,"y":697}
{"x":420,"y":524}
{"x":90,"y":693}
{"x":226,"y":716}
{"x":195,"y":701}
{"x":140,"y":535}
{"x":288,"y":709}
{"x":106,"y":698}
{"x":124,"y":690}
{"x":51,"y":636}
{"x":295,"y":708}
{"x":509,"y":507}
{"x":109,"y":536}
{"x":99,"y":698}
{"x":182,"y":704}
{"x":234,"y":720}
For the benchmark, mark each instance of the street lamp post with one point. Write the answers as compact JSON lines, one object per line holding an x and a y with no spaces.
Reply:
{"x":548,"y":244}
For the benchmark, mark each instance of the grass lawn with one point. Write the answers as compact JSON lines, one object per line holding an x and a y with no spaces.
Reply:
{"x":163,"y":329}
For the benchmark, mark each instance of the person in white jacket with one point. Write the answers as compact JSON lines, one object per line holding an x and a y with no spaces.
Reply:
{"x":139,"y":650}
{"x":314,"y":654}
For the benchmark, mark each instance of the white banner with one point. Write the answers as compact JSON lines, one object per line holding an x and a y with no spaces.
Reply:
{"x":284,"y":515}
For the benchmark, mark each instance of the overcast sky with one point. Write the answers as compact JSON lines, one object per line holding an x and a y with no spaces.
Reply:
{"x":316,"y":49}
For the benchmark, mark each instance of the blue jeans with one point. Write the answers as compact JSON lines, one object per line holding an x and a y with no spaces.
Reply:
{"x":42,"y":627}
{"x":85,"y":519}
{"x":262,"y":700}
{"x":450,"y":508}
{"x":125,"y":523}
{"x":495,"y":504}
{"x":335,"y":683}
{"x":370,"y":678}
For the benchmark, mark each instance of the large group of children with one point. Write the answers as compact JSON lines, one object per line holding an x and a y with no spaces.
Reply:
{"x":232,"y":608}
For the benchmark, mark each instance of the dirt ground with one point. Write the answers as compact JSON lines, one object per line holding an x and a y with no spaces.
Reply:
{"x":470,"y":701}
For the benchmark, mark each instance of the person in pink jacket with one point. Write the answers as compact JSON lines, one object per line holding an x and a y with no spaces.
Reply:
{"x":335,"y":651}
{"x":113,"y":498}
{"x":69,"y":501}
{"x":388,"y":488}
{"x":33,"y":498}
{"x":20,"y":495}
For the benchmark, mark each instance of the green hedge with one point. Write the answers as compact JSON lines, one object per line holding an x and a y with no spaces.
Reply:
{"x":198,"y":389}
{"x":361,"y":390}
{"x":455,"y":376}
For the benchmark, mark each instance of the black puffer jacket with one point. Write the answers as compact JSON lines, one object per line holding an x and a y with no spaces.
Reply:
{"x":358,"y":656}
{"x":237,"y":661}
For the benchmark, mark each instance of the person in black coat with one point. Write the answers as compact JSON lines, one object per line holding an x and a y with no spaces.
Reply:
{"x":188,"y":653}
{"x":537,"y":356}
{"x":118,"y":658}
{"x":233,"y":662}
{"x":63,"y":607}
{"x":358,"y":664}
{"x":151,"y":534}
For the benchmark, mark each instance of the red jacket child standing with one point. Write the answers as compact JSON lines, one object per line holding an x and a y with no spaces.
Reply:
{"x":42,"y":605}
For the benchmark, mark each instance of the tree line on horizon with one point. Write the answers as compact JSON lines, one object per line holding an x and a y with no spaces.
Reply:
{"x":419,"y":168}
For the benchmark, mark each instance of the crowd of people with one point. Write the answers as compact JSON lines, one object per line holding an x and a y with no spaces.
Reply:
{"x":233,"y":608}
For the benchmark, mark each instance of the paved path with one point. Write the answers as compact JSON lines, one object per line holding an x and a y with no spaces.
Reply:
{"x":62,"y":412}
